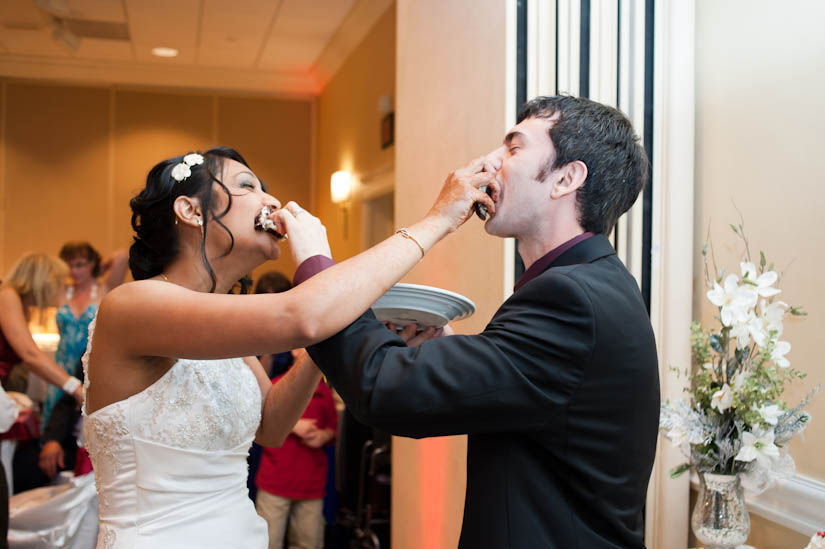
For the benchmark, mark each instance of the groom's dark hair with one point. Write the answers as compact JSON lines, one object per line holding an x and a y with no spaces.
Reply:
{"x":603,"y":138}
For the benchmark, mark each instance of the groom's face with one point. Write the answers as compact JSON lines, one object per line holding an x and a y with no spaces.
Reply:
{"x":524,"y":177}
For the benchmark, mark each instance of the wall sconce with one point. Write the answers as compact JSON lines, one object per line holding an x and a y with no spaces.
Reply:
{"x":340,"y":186}
{"x":340,"y":189}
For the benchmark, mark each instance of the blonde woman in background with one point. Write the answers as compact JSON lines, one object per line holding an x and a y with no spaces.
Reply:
{"x":34,"y":282}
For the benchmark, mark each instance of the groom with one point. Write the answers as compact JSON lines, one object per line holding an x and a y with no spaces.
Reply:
{"x":560,"y":393}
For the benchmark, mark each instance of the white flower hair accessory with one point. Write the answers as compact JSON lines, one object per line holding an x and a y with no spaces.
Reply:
{"x":184,"y":169}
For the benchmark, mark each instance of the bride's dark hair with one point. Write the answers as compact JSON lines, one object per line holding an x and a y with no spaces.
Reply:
{"x":153,"y":219}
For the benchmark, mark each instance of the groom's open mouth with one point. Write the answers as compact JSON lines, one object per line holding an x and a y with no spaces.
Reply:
{"x":481,"y":209}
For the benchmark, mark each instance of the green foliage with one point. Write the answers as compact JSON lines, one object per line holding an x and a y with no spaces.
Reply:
{"x":677,"y":471}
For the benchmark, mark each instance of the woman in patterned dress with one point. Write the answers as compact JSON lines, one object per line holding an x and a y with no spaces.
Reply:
{"x":79,"y":306}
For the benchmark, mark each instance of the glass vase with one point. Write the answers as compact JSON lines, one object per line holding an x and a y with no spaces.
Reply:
{"x":720,"y":518}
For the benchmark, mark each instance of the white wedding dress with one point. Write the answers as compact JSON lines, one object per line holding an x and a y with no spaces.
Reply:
{"x":170,"y":462}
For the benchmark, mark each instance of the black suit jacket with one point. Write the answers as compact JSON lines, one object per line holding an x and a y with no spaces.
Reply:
{"x":559,"y":396}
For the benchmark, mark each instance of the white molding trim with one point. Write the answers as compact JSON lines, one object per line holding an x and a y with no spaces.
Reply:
{"x":83,"y":71}
{"x":797,"y":503}
{"x":672,"y":246}
{"x":510,"y":70}
{"x":360,"y":20}
{"x":541,"y":49}
{"x":569,"y":25}
{"x":604,"y":34}
{"x":631,"y":102}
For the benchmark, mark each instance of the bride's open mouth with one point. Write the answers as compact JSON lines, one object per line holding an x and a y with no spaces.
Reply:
{"x":265,"y":224}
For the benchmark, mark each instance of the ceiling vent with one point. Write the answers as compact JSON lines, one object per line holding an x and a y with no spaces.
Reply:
{"x":103,"y":30}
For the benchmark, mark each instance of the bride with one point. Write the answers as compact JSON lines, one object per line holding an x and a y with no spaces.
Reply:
{"x":170,"y":409}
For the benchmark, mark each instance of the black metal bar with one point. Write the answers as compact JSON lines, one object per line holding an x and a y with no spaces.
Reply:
{"x":618,"y":89}
{"x":618,"y":53}
{"x":521,"y":53}
{"x":521,"y":92}
{"x":647,"y":197}
{"x":584,"y":50}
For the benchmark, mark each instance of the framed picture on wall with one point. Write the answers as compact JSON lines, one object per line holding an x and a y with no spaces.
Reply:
{"x":387,"y":130}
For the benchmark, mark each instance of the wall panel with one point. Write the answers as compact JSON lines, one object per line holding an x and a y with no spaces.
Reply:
{"x":56,"y":168}
{"x":274,"y":138}
{"x":149,"y":127}
{"x":72,"y":157}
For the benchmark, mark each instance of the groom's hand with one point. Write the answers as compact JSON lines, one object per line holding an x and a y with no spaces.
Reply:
{"x":413,"y":337}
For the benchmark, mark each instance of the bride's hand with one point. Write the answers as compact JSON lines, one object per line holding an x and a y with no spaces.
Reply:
{"x":307,"y":235}
{"x":460,"y":192}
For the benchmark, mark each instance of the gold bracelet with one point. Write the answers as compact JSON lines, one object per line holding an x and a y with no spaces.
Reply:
{"x":406,"y":234}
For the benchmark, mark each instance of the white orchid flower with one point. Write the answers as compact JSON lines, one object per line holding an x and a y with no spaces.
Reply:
{"x":748,"y":270}
{"x":734,"y":300}
{"x":193,"y":159}
{"x":773,"y":315}
{"x":741,"y":330}
{"x":181,"y":171}
{"x":762,"y":282}
{"x":758,"y":330}
{"x":739,"y":380}
{"x":722,"y":399}
{"x":758,"y":446}
{"x":769,"y":321}
{"x":778,"y":355}
{"x":770,"y":413}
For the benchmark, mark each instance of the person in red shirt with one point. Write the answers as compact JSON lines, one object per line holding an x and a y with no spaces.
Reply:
{"x":291,"y":479}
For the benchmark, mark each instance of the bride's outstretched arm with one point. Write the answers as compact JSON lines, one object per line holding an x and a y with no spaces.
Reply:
{"x":166,"y":320}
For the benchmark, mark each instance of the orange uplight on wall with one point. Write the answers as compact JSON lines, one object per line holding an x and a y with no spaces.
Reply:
{"x":340,"y":186}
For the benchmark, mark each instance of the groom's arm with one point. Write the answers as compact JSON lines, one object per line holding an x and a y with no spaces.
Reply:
{"x":516,"y":375}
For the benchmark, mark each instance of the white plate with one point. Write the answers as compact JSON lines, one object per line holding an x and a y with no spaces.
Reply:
{"x":426,"y":306}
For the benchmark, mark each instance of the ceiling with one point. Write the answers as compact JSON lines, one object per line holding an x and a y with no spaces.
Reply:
{"x":291,"y":46}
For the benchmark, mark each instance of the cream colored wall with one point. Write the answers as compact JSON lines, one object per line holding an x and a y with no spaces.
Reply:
{"x":451,"y":108}
{"x":760,"y":118}
{"x":349,"y":130}
{"x":71,"y":157}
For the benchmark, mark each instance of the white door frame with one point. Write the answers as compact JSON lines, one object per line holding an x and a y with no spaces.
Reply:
{"x":617,"y":37}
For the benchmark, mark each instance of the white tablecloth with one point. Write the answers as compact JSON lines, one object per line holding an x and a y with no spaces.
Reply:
{"x":62,"y":515}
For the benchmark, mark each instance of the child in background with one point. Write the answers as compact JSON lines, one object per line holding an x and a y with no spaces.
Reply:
{"x":291,"y":479}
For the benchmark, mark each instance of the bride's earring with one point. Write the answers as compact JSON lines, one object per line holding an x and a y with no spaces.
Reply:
{"x":203,"y":230}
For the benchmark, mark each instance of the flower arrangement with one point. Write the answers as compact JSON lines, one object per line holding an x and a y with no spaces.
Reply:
{"x":734,"y":421}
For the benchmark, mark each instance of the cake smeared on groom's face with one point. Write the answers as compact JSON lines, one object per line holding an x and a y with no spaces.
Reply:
{"x":481,"y":209}
{"x":265,"y":224}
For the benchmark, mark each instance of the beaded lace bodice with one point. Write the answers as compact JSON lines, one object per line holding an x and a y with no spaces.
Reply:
{"x":164,"y":457}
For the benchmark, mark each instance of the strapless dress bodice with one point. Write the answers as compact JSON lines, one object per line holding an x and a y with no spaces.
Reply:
{"x":170,"y":462}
